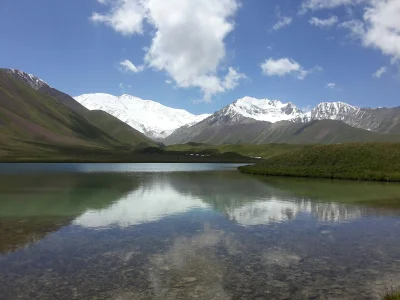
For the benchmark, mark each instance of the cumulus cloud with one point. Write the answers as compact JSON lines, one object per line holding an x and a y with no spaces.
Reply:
{"x":125,"y":16}
{"x":128,"y":66}
{"x":284,"y":66}
{"x":379,"y":27}
{"x":280,"y":67}
{"x":324,"y":22}
{"x":231,"y":79}
{"x":379,"y":72}
{"x":188,"y":42}
{"x":330,"y":85}
{"x":313,"y":5}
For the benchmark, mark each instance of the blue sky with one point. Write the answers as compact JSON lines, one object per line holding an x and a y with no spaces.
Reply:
{"x":203,"y":54}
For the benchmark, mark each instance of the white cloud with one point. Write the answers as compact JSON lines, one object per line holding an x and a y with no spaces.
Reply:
{"x":125,"y":16}
{"x":284,"y":66}
{"x":280,"y":67}
{"x":129,"y":66}
{"x":330,"y":85}
{"x":188,"y":43}
{"x":283,"y":22}
{"x":379,"y":28}
{"x":356,"y":28}
{"x":379,"y":72}
{"x":231,"y":79}
{"x":304,"y":73}
{"x":168,"y":81}
{"x":324,"y":22}
{"x":314,"y":5}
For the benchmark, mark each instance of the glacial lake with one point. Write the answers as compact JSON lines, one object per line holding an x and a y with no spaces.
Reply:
{"x":192,"y":231}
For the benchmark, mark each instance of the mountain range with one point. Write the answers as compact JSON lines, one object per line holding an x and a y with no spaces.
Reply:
{"x":34,"y":115}
{"x":151,"y":118}
{"x":251,"y":120}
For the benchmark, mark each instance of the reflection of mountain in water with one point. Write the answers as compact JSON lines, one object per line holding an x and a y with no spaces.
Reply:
{"x":243,"y":199}
{"x":250,"y":201}
{"x":33,"y":206}
{"x":151,"y":202}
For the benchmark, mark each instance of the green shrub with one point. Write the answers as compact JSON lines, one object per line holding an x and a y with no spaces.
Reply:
{"x":358,"y":161}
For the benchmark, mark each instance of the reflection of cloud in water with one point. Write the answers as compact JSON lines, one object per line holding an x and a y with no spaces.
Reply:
{"x":147,"y":204}
{"x":264,"y":212}
{"x":162,"y":196}
{"x":190,"y":269}
{"x":273,"y":211}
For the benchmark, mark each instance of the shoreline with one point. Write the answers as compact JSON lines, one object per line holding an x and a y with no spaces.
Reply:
{"x":383,"y":178}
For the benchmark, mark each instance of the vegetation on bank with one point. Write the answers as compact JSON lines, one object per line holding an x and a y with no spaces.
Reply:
{"x":263,"y":151}
{"x":41,"y":152}
{"x":356,"y":161}
{"x":393,"y":296}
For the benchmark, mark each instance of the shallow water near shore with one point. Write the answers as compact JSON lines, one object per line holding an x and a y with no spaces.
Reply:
{"x":187,"y":231}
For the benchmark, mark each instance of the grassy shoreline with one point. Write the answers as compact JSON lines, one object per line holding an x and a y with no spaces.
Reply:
{"x":130,"y":158}
{"x":369,"y":161}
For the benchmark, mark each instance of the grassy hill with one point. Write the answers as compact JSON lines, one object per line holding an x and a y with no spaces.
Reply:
{"x":48,"y":123}
{"x":27,"y":114}
{"x":369,"y":161}
{"x":118,"y":129}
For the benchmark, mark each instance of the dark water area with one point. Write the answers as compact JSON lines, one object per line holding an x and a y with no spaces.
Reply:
{"x":191,"y":231}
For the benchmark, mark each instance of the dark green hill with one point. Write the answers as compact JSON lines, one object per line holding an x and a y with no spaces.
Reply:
{"x":117,"y":129}
{"x":369,"y":161}
{"x":27,"y":114}
{"x":45,"y":122}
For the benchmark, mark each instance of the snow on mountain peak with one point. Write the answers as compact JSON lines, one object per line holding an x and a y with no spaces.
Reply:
{"x":31,"y":80}
{"x":151,"y":118}
{"x":333,"y":111}
{"x":264,"y":109}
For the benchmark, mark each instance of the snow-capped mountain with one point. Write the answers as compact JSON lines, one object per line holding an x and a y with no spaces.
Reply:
{"x":249,"y":109}
{"x":333,"y":111}
{"x":372,"y":119}
{"x":29,"y":79}
{"x":259,"y":110}
{"x":250,"y":120}
{"x":151,"y":118}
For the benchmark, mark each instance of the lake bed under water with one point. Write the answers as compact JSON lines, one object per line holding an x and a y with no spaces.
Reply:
{"x":192,"y":231}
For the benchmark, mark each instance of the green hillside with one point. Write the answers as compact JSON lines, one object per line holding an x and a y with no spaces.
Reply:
{"x":369,"y":161}
{"x":28,"y":115}
{"x":117,"y":129}
{"x":46,"y":123}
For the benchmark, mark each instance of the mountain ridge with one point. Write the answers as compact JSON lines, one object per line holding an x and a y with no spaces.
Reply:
{"x":257,"y":120}
{"x":149,"y":117}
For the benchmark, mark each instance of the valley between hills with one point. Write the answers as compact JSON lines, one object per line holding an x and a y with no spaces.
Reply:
{"x":39,"y":123}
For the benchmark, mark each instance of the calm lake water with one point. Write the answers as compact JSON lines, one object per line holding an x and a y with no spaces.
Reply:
{"x":192,"y":231}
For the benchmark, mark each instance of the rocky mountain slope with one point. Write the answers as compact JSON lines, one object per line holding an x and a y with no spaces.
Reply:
{"x":260,"y":120}
{"x":373,"y":119}
{"x":261,"y":132}
{"x":151,"y":118}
